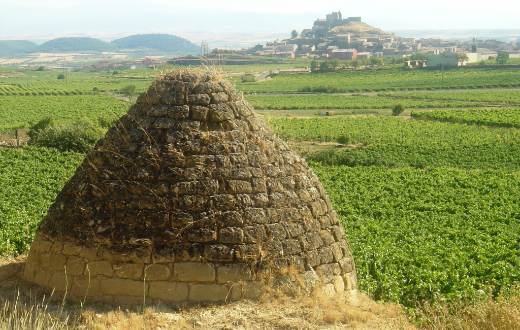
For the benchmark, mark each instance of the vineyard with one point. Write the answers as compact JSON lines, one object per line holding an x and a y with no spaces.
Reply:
{"x":487,"y":117}
{"x":430,"y":207}
{"x":21,"y":111}
{"x":340,"y":101}
{"x":502,"y":97}
{"x":386,"y":80}
{"x":429,"y":234}
{"x":30,"y":179}
{"x":394,"y":142}
{"x":45,"y":83}
{"x":430,"y":202}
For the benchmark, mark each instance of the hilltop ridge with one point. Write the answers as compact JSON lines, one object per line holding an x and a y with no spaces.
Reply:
{"x":142,"y":43}
{"x":157,"y":42}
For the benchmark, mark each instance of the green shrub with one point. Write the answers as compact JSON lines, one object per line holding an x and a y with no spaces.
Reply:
{"x":397,"y":109}
{"x":106,"y":122}
{"x":128,"y":91}
{"x":61,"y":76}
{"x":78,"y":137}
{"x":321,"y":89}
{"x":343,"y":139}
{"x":248,"y":78}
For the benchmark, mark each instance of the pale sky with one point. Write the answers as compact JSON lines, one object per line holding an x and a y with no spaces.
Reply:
{"x":110,"y":18}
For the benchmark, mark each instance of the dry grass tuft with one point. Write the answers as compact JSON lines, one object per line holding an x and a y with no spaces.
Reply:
{"x":24,"y":306}
{"x":500,"y":314}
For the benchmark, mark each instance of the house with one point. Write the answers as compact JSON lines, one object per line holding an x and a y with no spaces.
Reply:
{"x":364,"y":55}
{"x":343,"y":54}
{"x":443,"y":61}
{"x":415,"y":64}
{"x":285,"y":51}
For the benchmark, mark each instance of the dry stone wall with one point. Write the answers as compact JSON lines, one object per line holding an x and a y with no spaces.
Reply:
{"x":190,"y":198}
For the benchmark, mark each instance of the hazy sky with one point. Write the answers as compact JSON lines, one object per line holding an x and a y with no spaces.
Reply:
{"x":110,"y":18}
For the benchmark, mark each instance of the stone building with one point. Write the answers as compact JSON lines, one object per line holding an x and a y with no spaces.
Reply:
{"x":343,"y":54}
{"x":190,"y":198}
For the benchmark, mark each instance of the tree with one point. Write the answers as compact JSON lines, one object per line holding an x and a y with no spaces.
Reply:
{"x":329,"y":66}
{"x":128,"y":91}
{"x":294,"y":34}
{"x":418,"y":57}
{"x":315,"y":66}
{"x":248,"y":78}
{"x":40,"y":68}
{"x":502,"y":58}
{"x":61,"y":76}
{"x":463,"y":58}
{"x":397,"y":109}
{"x":375,"y":61}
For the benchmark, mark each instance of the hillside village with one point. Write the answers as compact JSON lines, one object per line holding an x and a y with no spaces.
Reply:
{"x":336,"y":37}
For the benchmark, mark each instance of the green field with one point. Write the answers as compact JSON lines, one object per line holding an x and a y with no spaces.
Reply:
{"x":340,"y":101}
{"x":430,"y":201}
{"x":387,"y":80}
{"x":499,"y":97}
{"x":489,"y":117}
{"x":30,"y":179}
{"x":393,"y":142}
{"x":431,"y":208}
{"x":21,"y":111}
{"x":37,"y":83}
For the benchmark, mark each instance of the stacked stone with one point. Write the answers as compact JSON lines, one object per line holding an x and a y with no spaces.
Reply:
{"x":190,"y":198}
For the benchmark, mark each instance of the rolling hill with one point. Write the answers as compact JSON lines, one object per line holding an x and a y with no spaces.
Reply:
{"x":163,"y":43}
{"x":16,"y":47}
{"x":357,"y":28}
{"x":75,"y":44}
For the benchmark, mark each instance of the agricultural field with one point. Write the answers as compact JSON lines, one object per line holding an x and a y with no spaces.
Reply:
{"x":348,"y":101}
{"x":489,"y":117}
{"x":490,"y":97}
{"x":22,"y":111}
{"x":30,"y":179}
{"x":38,"y":83}
{"x":396,"y":142}
{"x":430,"y":208}
{"x":386,"y":80}
{"x":430,"y":203}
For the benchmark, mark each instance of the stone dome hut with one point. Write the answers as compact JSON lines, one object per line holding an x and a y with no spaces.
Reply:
{"x":190,"y":198}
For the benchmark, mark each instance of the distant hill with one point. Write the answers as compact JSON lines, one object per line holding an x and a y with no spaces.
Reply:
{"x":75,"y":44}
{"x":164,"y":43}
{"x":16,"y":47}
{"x":356,"y":28}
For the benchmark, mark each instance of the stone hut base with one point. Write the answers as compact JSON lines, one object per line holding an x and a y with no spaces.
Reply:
{"x":97,"y":275}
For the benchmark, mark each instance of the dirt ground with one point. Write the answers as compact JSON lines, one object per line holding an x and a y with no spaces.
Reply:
{"x":25,"y":306}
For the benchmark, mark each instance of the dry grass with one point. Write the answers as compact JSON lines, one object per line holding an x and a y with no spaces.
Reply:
{"x":499,"y":314}
{"x":23,"y":306}
{"x":27,"y":307}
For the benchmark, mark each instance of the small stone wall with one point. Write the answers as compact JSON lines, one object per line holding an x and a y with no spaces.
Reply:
{"x":99,"y":275}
